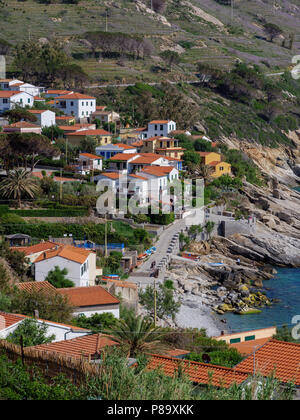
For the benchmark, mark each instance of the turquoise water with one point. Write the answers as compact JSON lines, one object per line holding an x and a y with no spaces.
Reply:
{"x":286,"y":287}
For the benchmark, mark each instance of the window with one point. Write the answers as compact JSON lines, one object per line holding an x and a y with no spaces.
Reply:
{"x":82,"y":103}
{"x":250,"y":338}
{"x":161,"y":127}
{"x":91,"y":103}
{"x":155,"y":127}
{"x":235,"y":340}
{"x":5,"y":101}
{"x":87,"y":104}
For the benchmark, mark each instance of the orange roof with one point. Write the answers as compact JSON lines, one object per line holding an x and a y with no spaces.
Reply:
{"x":37,"y":111}
{"x":56,"y":178}
{"x":30,"y":286}
{"x":76,"y":96}
{"x":203,"y":154}
{"x":101,"y":108}
{"x":74,"y":127}
{"x":9,"y":93}
{"x":89,"y":296}
{"x":33,"y":249}
{"x":65,"y":117}
{"x":111,"y":175}
{"x":278,"y":357}
{"x":38,"y":98}
{"x":138,"y":177}
{"x":159,"y":122}
{"x":216,"y":163}
{"x":138,"y":143}
{"x":177,"y":352}
{"x":124,"y":156}
{"x":11,"y":319}
{"x":152,"y":138}
{"x":58,"y":92}
{"x":158,"y":170}
{"x":22,"y":124}
{"x":91,"y":156}
{"x":68,"y":252}
{"x":81,"y":347}
{"x":246,"y":347}
{"x":91,"y":133}
{"x":146,"y":158}
{"x":124,"y":146}
{"x":120,"y":283}
{"x":201,"y":373}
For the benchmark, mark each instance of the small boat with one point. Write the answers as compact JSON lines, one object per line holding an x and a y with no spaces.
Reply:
{"x":111,"y":277}
{"x":142,"y":256}
{"x":190,"y":256}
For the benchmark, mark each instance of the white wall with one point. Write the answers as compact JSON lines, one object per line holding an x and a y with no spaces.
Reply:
{"x":43,"y":267}
{"x":80,"y":108}
{"x":58,"y":330}
{"x":162,"y":130}
{"x":22,"y":99}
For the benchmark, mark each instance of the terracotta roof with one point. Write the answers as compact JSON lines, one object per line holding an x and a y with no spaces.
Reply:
{"x":152,"y":138}
{"x":33,"y":249}
{"x":246,"y":347}
{"x":158,"y":170}
{"x":138,"y":143}
{"x":88,"y":296}
{"x":65,"y":117}
{"x":101,"y":108}
{"x":76,"y":96}
{"x":111,"y":175}
{"x":68,"y":252}
{"x":30,"y":286}
{"x":37,"y":111}
{"x":138,"y":177}
{"x":9,"y":93}
{"x":201,"y":373}
{"x":91,"y":133}
{"x":74,"y":127}
{"x":278,"y":357}
{"x":22,"y":124}
{"x":38,"y":98}
{"x":120,"y":283}
{"x":215,"y":163}
{"x":80,"y":347}
{"x":55,"y":178}
{"x":11,"y":319}
{"x":58,"y":92}
{"x":124,"y":156}
{"x":91,"y":156}
{"x":159,"y":122}
{"x":177,"y":352}
{"x":124,"y":146}
{"x":145,"y":159}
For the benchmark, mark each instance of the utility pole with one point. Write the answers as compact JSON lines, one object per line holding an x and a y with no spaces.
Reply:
{"x":155,"y":310}
{"x":105,"y":235}
{"x":106,"y":21}
{"x":151,"y":4}
{"x":60,"y":186}
{"x":231,"y":2}
{"x":66,"y":151}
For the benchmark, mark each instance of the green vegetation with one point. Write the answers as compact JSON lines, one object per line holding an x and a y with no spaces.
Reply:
{"x":97,"y":323}
{"x":57,"y":277}
{"x":30,"y":333}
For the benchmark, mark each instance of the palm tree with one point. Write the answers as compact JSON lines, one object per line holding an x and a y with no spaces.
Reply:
{"x":203,"y":171}
{"x":18,"y":183}
{"x":136,"y":334}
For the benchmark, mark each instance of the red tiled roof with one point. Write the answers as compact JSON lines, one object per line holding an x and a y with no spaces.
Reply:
{"x":177,"y":352}
{"x":76,"y":96}
{"x":80,"y":347}
{"x":91,"y":156}
{"x":37,"y":111}
{"x":111,"y":175}
{"x":278,"y":357}
{"x":124,"y":156}
{"x":58,"y":92}
{"x":124,"y":146}
{"x":65,"y":117}
{"x":158,"y":170}
{"x":30,"y":286}
{"x":159,"y":122}
{"x":68,"y":252}
{"x":22,"y":124}
{"x":146,"y":159}
{"x":88,"y":296}
{"x":33,"y":249}
{"x":91,"y":133}
{"x":246,"y":347}
{"x":138,"y":177}
{"x":200,"y":373}
{"x":120,"y":283}
{"x":9,"y":93}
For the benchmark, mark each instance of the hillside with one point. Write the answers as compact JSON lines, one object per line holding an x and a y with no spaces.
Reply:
{"x":203,"y":31}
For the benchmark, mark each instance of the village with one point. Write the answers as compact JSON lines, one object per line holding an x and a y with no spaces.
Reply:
{"x":67,"y":165}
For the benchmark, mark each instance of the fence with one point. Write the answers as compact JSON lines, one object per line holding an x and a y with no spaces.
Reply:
{"x":51,"y":364}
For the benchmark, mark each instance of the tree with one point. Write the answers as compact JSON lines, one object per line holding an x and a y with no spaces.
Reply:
{"x":272,"y":30}
{"x":18,"y":114}
{"x":52,"y":306}
{"x":209,"y":227}
{"x":32,"y":332}
{"x":57,"y":278}
{"x":18,"y":184}
{"x":136,"y":335}
{"x":285,"y":334}
{"x":88,"y":144}
{"x":166,"y":305}
{"x":170,"y":57}
{"x":96,"y":323}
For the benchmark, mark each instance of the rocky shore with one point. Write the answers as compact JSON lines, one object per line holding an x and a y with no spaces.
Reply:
{"x":231,"y":271}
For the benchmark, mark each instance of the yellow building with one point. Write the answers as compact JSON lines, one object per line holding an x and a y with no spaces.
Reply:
{"x":215,"y":160}
{"x":101,"y":136}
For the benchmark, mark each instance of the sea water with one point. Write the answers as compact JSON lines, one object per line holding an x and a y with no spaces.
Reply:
{"x":285,"y":287}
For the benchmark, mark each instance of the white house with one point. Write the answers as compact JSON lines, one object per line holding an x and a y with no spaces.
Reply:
{"x":22,"y":127}
{"x":88,"y":162}
{"x":45,"y":117}
{"x":6,"y":84}
{"x":158,"y":179}
{"x":10,"y":322}
{"x":80,"y":263}
{"x":9,"y":99}
{"x":26,"y":87}
{"x":109,"y":150}
{"x":77,"y":104}
{"x":91,"y":300}
{"x":161,"y":128}
{"x":109,"y":179}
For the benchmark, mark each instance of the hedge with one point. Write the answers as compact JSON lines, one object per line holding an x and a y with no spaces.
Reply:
{"x":50,"y":213}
